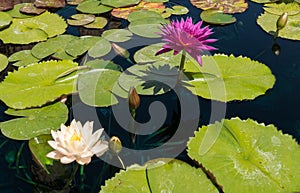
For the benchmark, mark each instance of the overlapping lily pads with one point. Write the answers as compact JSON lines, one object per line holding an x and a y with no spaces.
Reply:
{"x":81,"y":19}
{"x":256,"y":156}
{"x":268,"y":21}
{"x":162,"y":175}
{"x":93,"y":7}
{"x":98,"y":23}
{"x":3,"y":62}
{"x":81,"y":45}
{"x":15,"y":12}
{"x":227,"y":6}
{"x":23,"y":58}
{"x":34,"y":122}
{"x":37,"y":84}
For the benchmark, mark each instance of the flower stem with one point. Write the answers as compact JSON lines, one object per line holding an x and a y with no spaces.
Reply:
{"x":121,"y":161}
{"x":182,"y":61}
{"x":75,"y":168}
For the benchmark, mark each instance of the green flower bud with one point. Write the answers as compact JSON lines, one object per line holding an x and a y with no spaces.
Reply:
{"x":134,"y":98}
{"x":282,"y":20}
{"x":115,"y":145}
{"x":120,"y":51}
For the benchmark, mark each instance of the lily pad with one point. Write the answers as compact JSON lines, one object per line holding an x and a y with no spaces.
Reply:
{"x":37,"y":84}
{"x":98,"y":23}
{"x":162,"y":175}
{"x":29,"y":8}
{"x":279,"y":9}
{"x":264,"y":1}
{"x":147,"y":27}
{"x":15,"y":12}
{"x":81,"y":19}
{"x":143,"y":14}
{"x":74,"y":2}
{"x":120,"y":3}
{"x":81,"y":45}
{"x":93,"y":7}
{"x":5,"y":20}
{"x":217,"y":17}
{"x":229,"y":6}
{"x":3,"y":62}
{"x":291,"y":30}
{"x":178,"y":10}
{"x":103,"y":64}
{"x":54,"y":46}
{"x":124,"y":12}
{"x":34,"y":122}
{"x":23,"y":58}
{"x":50,"y":3}
{"x":6,"y":5}
{"x":101,"y":48}
{"x":117,"y":35}
{"x":256,"y":156}
{"x":226,"y":78}
{"x":95,"y":87}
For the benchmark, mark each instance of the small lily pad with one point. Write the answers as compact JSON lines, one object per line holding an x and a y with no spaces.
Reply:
{"x":81,"y":45}
{"x":120,"y":3}
{"x":81,"y":19}
{"x":217,"y":17}
{"x":179,"y":10}
{"x":29,"y":8}
{"x":278,"y":9}
{"x":103,"y":64}
{"x":117,"y":35}
{"x":229,"y":6}
{"x":98,"y":23}
{"x":23,"y":58}
{"x":101,"y":48}
{"x":5,"y":20}
{"x":93,"y":7}
{"x":34,"y":122}
{"x":3,"y":62}
{"x":50,"y":3}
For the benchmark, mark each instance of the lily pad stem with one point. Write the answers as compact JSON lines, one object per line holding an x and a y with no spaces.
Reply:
{"x":182,"y":61}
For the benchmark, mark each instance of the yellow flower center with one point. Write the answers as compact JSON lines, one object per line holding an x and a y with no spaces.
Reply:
{"x":75,"y":137}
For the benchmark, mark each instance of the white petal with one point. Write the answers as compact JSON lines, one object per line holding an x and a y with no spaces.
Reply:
{"x":67,"y":159}
{"x":54,"y":155}
{"x":86,"y":154}
{"x":83,"y":161}
{"x":87,"y":131}
{"x":53,"y":144}
{"x":54,"y":134}
{"x":95,"y":137}
{"x":100,"y":148}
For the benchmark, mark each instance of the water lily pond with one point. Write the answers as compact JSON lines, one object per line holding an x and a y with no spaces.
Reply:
{"x":123,"y":96}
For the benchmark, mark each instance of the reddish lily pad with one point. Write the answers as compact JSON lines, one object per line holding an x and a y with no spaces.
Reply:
{"x":124,"y":12}
{"x":6,"y":5}
{"x":31,"y":9}
{"x":74,"y":2}
{"x":50,"y":3}
{"x":81,"y":19}
{"x":227,"y":6}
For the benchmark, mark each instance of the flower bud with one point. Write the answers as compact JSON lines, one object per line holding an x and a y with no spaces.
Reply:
{"x":282,"y":20}
{"x":276,"y":49}
{"x":120,"y":51}
{"x":134,"y":98}
{"x":115,"y":145}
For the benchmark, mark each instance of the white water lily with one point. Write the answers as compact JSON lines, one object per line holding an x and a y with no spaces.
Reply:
{"x":77,"y":142}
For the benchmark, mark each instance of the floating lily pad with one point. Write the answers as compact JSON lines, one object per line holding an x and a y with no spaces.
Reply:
{"x":3,"y":62}
{"x":124,"y":12}
{"x":50,"y":3}
{"x":5,"y":20}
{"x":34,"y":122}
{"x":256,"y":156}
{"x":98,"y":23}
{"x":163,"y":175}
{"x":117,"y":35}
{"x":103,"y":64}
{"x":101,"y":48}
{"x":23,"y":58}
{"x":93,"y":7}
{"x":37,"y":84}
{"x":81,"y":45}
{"x":142,"y":14}
{"x":226,"y":78}
{"x":95,"y":87}
{"x":229,"y":6}
{"x":178,"y":10}
{"x":279,"y":9}
{"x":15,"y":12}
{"x":29,"y":8}
{"x":268,"y":21}
{"x":217,"y":17}
{"x":147,"y":27}
{"x":81,"y":19}
{"x":6,"y":5}
{"x":120,"y":3}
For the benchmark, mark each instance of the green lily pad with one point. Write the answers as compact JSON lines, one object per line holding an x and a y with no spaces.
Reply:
{"x":279,"y":9}
{"x":93,"y":7}
{"x":23,"y":58}
{"x":117,"y":35}
{"x":29,"y":8}
{"x":147,"y":27}
{"x":229,"y":6}
{"x":101,"y":48}
{"x":120,"y":3}
{"x":3,"y":62}
{"x":178,"y":10}
{"x":81,"y":19}
{"x":50,"y":3}
{"x":95,"y":87}
{"x":163,"y":175}
{"x":103,"y":64}
{"x":37,"y":84}
{"x":226,"y":78}
{"x":98,"y":23}
{"x":81,"y":45}
{"x":15,"y":12}
{"x":5,"y":20}
{"x":34,"y":122}
{"x":256,"y":156}
{"x":217,"y":17}
{"x":291,"y":30}
{"x":55,"y":46}
{"x":143,"y":14}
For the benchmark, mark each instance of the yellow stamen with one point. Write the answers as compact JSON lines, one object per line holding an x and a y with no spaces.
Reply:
{"x":75,"y":137}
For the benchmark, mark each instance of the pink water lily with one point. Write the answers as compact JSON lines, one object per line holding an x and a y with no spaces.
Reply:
{"x":184,"y":35}
{"x":77,"y":142}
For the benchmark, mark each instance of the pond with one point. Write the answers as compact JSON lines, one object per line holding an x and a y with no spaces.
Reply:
{"x":228,"y":121}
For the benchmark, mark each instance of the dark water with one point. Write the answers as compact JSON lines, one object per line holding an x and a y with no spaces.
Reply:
{"x":279,"y":106}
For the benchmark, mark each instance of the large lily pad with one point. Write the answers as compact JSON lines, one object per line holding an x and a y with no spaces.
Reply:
{"x":93,"y":7}
{"x":95,"y":87}
{"x":50,"y":3}
{"x":291,"y":30}
{"x":5,"y":20}
{"x":37,"y":84}
{"x":247,"y":157}
{"x":117,"y":35}
{"x":162,"y":175}
{"x":81,"y":45}
{"x":229,"y":6}
{"x":3,"y":62}
{"x":23,"y":58}
{"x":34,"y":122}
{"x":279,"y":9}
{"x":120,"y":3}
{"x":217,"y":17}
